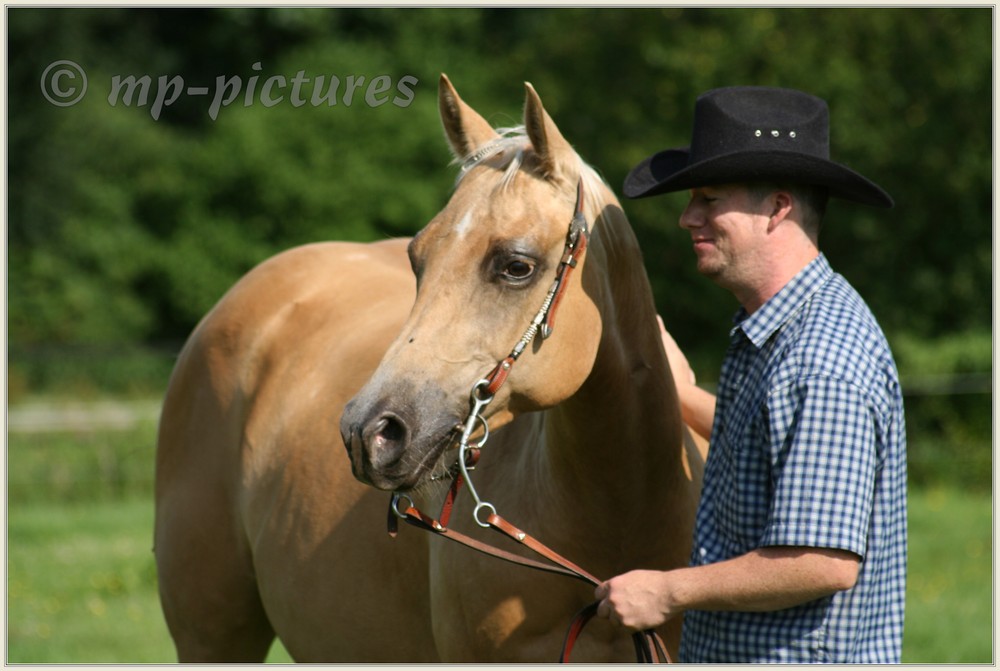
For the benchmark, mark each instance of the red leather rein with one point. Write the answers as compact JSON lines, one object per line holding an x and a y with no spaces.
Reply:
{"x":648,"y":644}
{"x":649,"y":647}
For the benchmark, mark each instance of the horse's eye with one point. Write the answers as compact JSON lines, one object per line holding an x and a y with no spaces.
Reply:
{"x":512,"y":266}
{"x":518,"y":270}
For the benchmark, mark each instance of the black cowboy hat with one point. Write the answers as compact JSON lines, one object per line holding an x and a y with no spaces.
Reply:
{"x":754,"y":133}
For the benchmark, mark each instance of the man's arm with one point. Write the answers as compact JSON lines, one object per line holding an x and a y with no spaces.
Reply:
{"x":697,"y":405}
{"x":766,"y":579}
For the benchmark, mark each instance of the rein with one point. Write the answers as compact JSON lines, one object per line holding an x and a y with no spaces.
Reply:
{"x":649,"y":646}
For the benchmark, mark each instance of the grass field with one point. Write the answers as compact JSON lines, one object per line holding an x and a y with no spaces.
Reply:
{"x":81,"y":582}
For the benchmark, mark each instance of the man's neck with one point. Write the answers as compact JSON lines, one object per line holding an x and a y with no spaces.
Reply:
{"x":780,"y":273}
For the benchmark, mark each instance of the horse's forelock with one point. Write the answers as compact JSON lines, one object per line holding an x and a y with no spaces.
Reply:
{"x":507,"y":153}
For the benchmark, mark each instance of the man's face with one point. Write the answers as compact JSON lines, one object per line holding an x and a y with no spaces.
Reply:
{"x":728,"y":230}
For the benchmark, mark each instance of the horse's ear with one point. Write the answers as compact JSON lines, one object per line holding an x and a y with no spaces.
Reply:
{"x":465,"y":128}
{"x":553,"y":151}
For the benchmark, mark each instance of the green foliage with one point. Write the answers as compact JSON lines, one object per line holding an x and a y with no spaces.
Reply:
{"x":81,"y":466}
{"x":949,"y":407}
{"x":959,"y":352}
{"x":88,"y":371}
{"x":124,"y":229}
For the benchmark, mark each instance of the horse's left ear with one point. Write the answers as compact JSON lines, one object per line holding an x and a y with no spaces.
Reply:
{"x":465,"y":129}
{"x":554,"y":152}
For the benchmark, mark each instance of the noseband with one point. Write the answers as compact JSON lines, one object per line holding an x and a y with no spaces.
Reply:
{"x":648,"y":644}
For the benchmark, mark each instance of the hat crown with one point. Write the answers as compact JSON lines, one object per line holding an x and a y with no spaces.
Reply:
{"x":759,"y":119}
{"x":752,"y":134}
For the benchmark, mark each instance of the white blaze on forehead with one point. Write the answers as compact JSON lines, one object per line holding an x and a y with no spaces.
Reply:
{"x":464,"y":225}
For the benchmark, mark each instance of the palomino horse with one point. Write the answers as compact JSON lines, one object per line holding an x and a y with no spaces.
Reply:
{"x":262,"y":530}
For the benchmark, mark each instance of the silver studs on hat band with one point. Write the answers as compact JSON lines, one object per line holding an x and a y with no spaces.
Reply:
{"x":774,"y":133}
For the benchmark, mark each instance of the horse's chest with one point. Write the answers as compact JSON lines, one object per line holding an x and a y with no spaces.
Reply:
{"x":487,"y":610}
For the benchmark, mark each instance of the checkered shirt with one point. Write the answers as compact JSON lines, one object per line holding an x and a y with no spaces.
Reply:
{"x":808,"y":448}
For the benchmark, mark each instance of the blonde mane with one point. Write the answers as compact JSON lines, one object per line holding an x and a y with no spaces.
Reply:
{"x":507,"y":153}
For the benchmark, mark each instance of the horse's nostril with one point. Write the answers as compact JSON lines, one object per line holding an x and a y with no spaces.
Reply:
{"x":389,"y":430}
{"x":386,"y":438}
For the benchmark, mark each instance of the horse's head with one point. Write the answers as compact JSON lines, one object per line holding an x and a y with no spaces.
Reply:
{"x":484,"y":266}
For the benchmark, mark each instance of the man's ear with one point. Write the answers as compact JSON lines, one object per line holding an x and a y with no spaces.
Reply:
{"x":781,"y":206}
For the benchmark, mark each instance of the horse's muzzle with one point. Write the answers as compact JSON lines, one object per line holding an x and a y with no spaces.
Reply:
{"x":377,"y":448}
{"x":394,"y":443}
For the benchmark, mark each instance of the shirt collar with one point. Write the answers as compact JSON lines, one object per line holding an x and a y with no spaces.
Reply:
{"x":771,"y":316}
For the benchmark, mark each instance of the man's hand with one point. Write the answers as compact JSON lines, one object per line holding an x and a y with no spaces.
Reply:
{"x":637,"y":600}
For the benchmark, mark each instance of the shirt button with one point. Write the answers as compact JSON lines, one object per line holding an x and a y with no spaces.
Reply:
{"x":703,"y":552}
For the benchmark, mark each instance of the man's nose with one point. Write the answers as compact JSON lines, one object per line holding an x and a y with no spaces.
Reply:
{"x":689,"y":219}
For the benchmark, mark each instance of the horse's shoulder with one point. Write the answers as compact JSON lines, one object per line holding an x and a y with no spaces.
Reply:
{"x":307,"y":292}
{"x":314,"y":270}
{"x":329,"y":257}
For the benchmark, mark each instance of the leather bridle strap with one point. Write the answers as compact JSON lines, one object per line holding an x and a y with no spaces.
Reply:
{"x":648,"y":644}
{"x":544,"y":321}
{"x":649,"y":647}
{"x":415,"y":517}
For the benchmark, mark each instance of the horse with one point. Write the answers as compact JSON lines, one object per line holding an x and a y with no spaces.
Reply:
{"x":335,"y":373}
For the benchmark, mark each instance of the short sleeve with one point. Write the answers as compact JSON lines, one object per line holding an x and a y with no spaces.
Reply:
{"x":823,"y":453}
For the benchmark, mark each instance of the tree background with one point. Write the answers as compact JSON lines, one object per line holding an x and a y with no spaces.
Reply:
{"x":123,"y":230}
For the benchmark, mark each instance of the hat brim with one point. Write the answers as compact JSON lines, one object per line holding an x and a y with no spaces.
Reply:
{"x":668,"y":171}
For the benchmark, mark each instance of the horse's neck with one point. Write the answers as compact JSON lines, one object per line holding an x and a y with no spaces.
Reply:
{"x":618,"y":440}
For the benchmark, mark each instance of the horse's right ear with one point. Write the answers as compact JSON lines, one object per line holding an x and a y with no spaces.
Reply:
{"x":465,"y":128}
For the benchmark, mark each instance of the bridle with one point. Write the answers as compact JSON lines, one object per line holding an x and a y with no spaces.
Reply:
{"x":648,"y":644}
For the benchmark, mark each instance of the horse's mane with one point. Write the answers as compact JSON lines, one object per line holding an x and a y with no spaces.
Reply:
{"x":507,"y":153}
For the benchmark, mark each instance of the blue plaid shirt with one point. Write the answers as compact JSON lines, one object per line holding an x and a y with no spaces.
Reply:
{"x":808,"y":448}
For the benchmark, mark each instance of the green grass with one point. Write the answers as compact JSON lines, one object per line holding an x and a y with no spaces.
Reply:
{"x":81,"y":586}
{"x":949,"y":600}
{"x":81,"y":581}
{"x":69,"y":467}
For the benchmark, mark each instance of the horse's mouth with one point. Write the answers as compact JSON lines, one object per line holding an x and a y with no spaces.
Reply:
{"x":411,"y":468}
{"x":401,"y":436}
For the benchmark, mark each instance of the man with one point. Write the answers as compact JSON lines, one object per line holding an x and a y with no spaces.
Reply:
{"x":799,"y":552}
